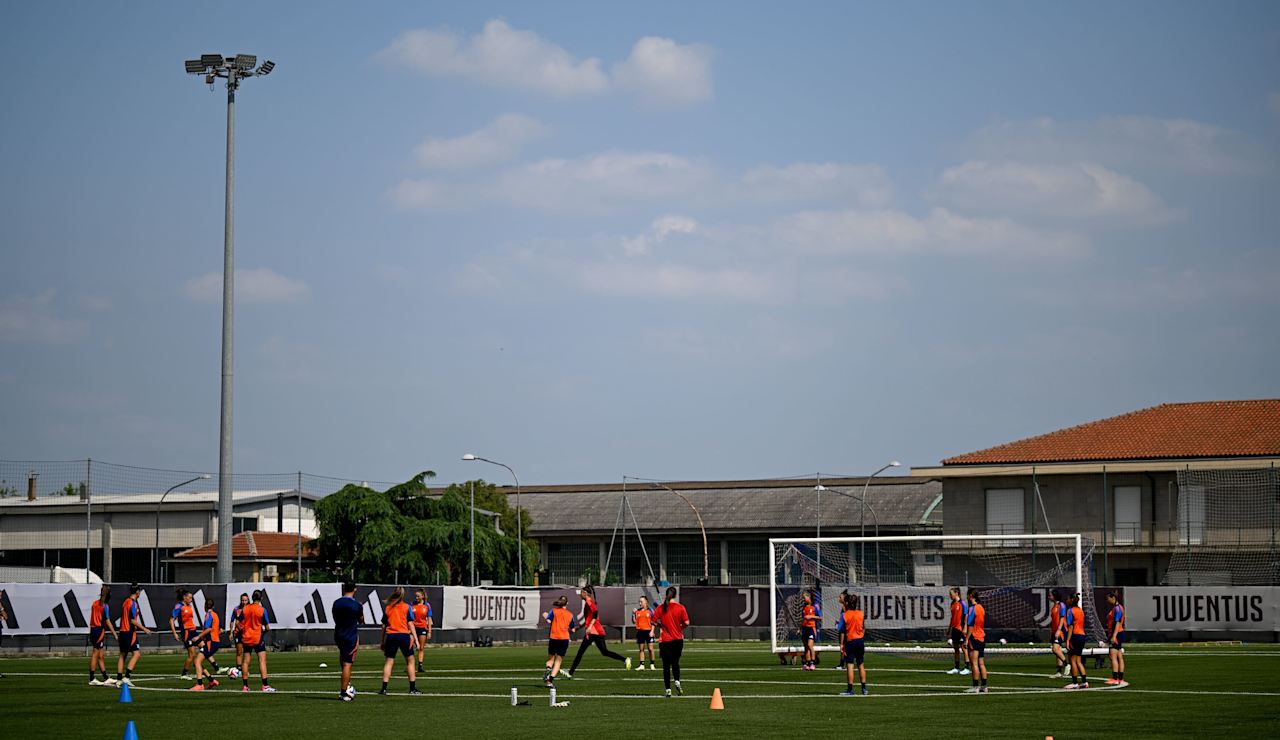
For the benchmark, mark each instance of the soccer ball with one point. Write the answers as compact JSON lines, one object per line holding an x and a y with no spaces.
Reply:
{"x":1003,"y":641}
{"x":233,"y":672}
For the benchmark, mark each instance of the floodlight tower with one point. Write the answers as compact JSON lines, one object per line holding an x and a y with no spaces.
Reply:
{"x":234,"y":70}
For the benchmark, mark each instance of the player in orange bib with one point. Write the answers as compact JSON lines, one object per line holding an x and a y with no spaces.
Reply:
{"x":209,"y":640}
{"x":810,"y":623}
{"x":1115,"y":631}
{"x":959,"y":614}
{"x":975,"y":633}
{"x":1057,"y":637}
{"x":1075,"y":650}
{"x":398,"y":637}
{"x":642,"y":618}
{"x":99,"y":624}
{"x":184,"y":618}
{"x":254,"y":623}
{"x":562,"y":626}
{"x":852,"y":637}
{"x":130,"y":623}
{"x":422,"y":623}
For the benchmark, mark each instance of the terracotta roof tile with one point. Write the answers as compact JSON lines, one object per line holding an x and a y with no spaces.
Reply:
{"x":255,"y":545}
{"x":1204,"y":429}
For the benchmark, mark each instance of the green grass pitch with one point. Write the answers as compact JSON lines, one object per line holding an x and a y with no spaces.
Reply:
{"x":1230,"y":692}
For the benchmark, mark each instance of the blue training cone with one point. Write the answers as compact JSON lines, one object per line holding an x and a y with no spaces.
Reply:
{"x":130,"y":732}
{"x":125,"y":696}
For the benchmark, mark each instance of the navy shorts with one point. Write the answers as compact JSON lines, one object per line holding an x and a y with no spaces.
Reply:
{"x":1057,"y":640}
{"x":189,"y":637}
{"x":957,"y":638}
{"x":97,"y":638}
{"x":209,"y":649}
{"x":397,"y":643}
{"x":644,"y":637}
{"x":1118,"y":643}
{"x":978,"y":646}
{"x":808,"y":633}
{"x":1077,"y":645}
{"x":855,"y":652}
{"x":422,"y":633}
{"x":347,"y":651}
{"x":557,"y":647}
{"x":256,"y":647}
{"x":128,"y":642}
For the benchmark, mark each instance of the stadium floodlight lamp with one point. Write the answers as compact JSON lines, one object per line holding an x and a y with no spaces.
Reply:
{"x":468,"y":456}
{"x":266,"y":68}
{"x":212,"y":60}
{"x":245,"y":62}
{"x":195,"y":67}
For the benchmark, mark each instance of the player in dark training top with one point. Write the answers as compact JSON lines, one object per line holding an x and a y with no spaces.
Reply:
{"x":347,"y":618}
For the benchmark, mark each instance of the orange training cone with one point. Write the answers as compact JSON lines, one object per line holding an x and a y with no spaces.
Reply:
{"x":717,"y":701}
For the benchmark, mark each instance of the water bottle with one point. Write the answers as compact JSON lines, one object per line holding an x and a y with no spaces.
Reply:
{"x":553,"y":696}
{"x":514,"y":698}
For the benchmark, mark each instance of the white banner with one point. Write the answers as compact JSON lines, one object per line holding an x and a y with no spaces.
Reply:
{"x":289,"y":605}
{"x":49,"y":608}
{"x":892,"y":607}
{"x":1176,"y":608}
{"x":478,"y":608}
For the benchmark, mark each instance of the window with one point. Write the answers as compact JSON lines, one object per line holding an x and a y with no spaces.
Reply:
{"x":1191,"y":515}
{"x":1128,"y":515}
{"x":244,"y":524}
{"x":1004,"y":514}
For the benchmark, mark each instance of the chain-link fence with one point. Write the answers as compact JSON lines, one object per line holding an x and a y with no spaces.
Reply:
{"x":128,"y":523}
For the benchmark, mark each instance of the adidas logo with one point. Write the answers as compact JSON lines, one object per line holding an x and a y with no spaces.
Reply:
{"x":313,"y":612}
{"x":69,"y":607}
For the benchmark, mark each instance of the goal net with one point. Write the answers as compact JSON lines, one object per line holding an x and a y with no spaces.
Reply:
{"x":906,"y":601}
{"x":1223,"y":528}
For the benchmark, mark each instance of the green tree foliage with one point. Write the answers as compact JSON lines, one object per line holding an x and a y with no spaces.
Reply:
{"x":410,"y":534}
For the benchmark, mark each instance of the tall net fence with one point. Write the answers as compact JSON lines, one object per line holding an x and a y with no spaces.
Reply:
{"x":1226,"y":528}
{"x":127,"y":523}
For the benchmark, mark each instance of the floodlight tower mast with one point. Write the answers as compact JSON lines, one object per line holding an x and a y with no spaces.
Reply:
{"x":234,"y":70}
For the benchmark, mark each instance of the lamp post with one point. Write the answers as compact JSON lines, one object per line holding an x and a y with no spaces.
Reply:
{"x":706,"y":568}
{"x":519,"y":523}
{"x":862,"y":524}
{"x":234,"y":70}
{"x":155,"y":562}
{"x":875,"y":518}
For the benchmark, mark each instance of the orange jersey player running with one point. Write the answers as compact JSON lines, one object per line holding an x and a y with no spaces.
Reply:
{"x":976,"y":638}
{"x":209,"y":639}
{"x":562,"y":625}
{"x":642,"y":618}
{"x":422,"y":623}
{"x":254,"y":623}
{"x":99,"y":624}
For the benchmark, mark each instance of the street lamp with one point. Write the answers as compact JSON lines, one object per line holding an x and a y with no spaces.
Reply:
{"x":875,"y":518}
{"x":519,"y":530}
{"x":155,"y":562}
{"x":706,"y":569}
{"x":234,"y":70}
{"x":863,"y":524}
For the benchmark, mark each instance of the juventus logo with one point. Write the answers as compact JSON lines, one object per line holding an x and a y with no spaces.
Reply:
{"x":752,"y":598}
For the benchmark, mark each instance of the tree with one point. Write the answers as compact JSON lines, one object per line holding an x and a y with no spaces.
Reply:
{"x":409,"y":534}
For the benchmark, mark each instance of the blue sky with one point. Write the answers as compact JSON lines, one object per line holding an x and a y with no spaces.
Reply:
{"x":710,"y":240}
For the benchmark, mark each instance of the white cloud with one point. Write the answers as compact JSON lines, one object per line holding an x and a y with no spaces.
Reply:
{"x":1076,"y":191}
{"x":1166,"y":143}
{"x":499,"y":141}
{"x":825,"y":182}
{"x":252,"y":286}
{"x":618,"y":279}
{"x":659,"y":230}
{"x":663,"y":72}
{"x":602,"y":181}
{"x":846,"y":232}
{"x":32,"y":319}
{"x":502,"y":56}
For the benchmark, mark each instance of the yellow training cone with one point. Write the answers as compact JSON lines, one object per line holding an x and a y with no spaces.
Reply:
{"x":717,"y":701}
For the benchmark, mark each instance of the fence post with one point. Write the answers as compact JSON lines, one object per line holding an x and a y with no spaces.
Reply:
{"x":88,"y":515}
{"x":1105,"y":565}
{"x":300,"y":526}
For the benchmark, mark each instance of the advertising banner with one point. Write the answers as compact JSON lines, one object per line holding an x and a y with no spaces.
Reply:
{"x":1177,"y":608}
{"x":480,"y":608}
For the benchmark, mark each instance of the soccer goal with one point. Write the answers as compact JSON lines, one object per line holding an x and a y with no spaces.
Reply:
{"x":903,"y":586}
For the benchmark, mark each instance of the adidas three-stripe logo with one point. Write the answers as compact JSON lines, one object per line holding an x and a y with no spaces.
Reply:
{"x":69,"y":607}
{"x":313,"y":613}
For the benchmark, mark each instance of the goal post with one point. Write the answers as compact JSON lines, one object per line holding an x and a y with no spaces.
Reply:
{"x":903,"y":585}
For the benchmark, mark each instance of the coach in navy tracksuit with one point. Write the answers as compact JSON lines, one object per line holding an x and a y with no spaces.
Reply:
{"x":347,"y":618}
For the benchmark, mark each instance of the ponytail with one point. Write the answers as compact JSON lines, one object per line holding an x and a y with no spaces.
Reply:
{"x":396,"y":596}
